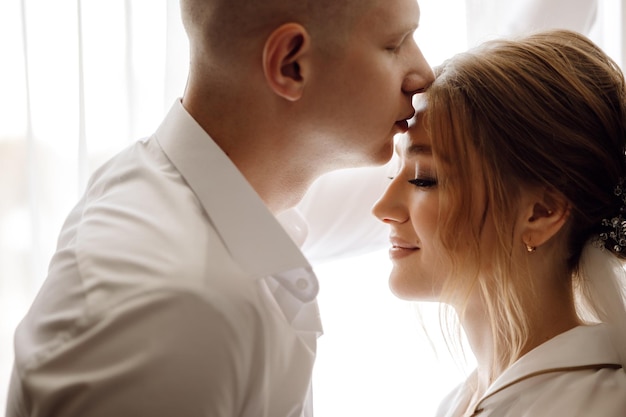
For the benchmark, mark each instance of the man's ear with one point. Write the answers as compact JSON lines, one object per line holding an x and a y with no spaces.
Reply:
{"x":285,"y":60}
{"x":545,"y":213}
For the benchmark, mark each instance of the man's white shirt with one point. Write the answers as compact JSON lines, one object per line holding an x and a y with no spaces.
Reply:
{"x":173,"y":291}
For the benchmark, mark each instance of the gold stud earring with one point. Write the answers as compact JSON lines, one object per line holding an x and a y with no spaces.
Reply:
{"x":530,"y":249}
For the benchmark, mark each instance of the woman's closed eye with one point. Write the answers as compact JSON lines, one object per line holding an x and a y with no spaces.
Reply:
{"x":424,"y":182}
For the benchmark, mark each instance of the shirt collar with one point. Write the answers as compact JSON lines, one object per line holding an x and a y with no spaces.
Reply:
{"x":578,"y":347}
{"x":252,"y":235}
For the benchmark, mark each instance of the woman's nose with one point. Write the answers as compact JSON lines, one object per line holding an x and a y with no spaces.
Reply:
{"x":390,"y":208}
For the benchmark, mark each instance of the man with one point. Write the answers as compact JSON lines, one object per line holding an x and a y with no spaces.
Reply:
{"x":174,"y":291}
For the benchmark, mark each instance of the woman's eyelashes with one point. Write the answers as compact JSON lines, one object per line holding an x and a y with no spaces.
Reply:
{"x":423,"y":177}
{"x":421,"y":182}
{"x":424,"y":182}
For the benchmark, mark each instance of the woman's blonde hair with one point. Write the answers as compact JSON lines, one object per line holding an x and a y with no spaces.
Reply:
{"x":544,"y":110}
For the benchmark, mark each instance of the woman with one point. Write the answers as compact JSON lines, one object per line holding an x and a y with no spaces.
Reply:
{"x":509,"y":207}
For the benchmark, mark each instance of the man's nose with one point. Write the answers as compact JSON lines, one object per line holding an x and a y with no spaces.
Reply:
{"x":420,"y":76}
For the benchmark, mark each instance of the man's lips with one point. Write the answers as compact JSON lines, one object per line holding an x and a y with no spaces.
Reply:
{"x":403,"y":125}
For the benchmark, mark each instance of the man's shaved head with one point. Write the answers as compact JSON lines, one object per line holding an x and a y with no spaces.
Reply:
{"x":224,"y":26}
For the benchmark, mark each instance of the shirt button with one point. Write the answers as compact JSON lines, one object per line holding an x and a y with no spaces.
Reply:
{"x":302,"y":284}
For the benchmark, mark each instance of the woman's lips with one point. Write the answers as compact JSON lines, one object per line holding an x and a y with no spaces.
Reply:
{"x":401,"y":248}
{"x":397,"y":252}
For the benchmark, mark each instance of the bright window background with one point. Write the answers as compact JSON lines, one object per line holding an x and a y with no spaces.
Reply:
{"x":69,"y":102}
{"x":375,"y":359}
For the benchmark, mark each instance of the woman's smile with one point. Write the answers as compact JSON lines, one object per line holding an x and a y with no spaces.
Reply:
{"x":400,"y":248}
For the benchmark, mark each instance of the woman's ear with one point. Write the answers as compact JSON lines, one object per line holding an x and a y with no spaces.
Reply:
{"x":545,"y":213}
{"x":285,"y":63}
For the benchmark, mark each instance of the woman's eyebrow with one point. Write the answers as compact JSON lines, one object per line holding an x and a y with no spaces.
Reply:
{"x":419,"y":149}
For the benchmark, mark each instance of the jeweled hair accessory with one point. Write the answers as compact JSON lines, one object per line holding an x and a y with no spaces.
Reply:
{"x":614,"y":238}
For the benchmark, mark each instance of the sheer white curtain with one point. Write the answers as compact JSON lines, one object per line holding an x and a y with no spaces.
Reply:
{"x":79,"y":80}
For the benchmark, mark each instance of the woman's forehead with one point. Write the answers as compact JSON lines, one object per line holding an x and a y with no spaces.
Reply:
{"x":415,"y":143}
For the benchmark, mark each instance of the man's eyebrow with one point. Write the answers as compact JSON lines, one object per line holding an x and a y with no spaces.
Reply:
{"x":407,"y":30}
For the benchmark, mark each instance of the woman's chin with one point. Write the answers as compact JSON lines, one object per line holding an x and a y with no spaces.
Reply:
{"x":411,"y":290}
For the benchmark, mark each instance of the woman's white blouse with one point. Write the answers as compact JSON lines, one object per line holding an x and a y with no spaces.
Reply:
{"x":576,"y":374}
